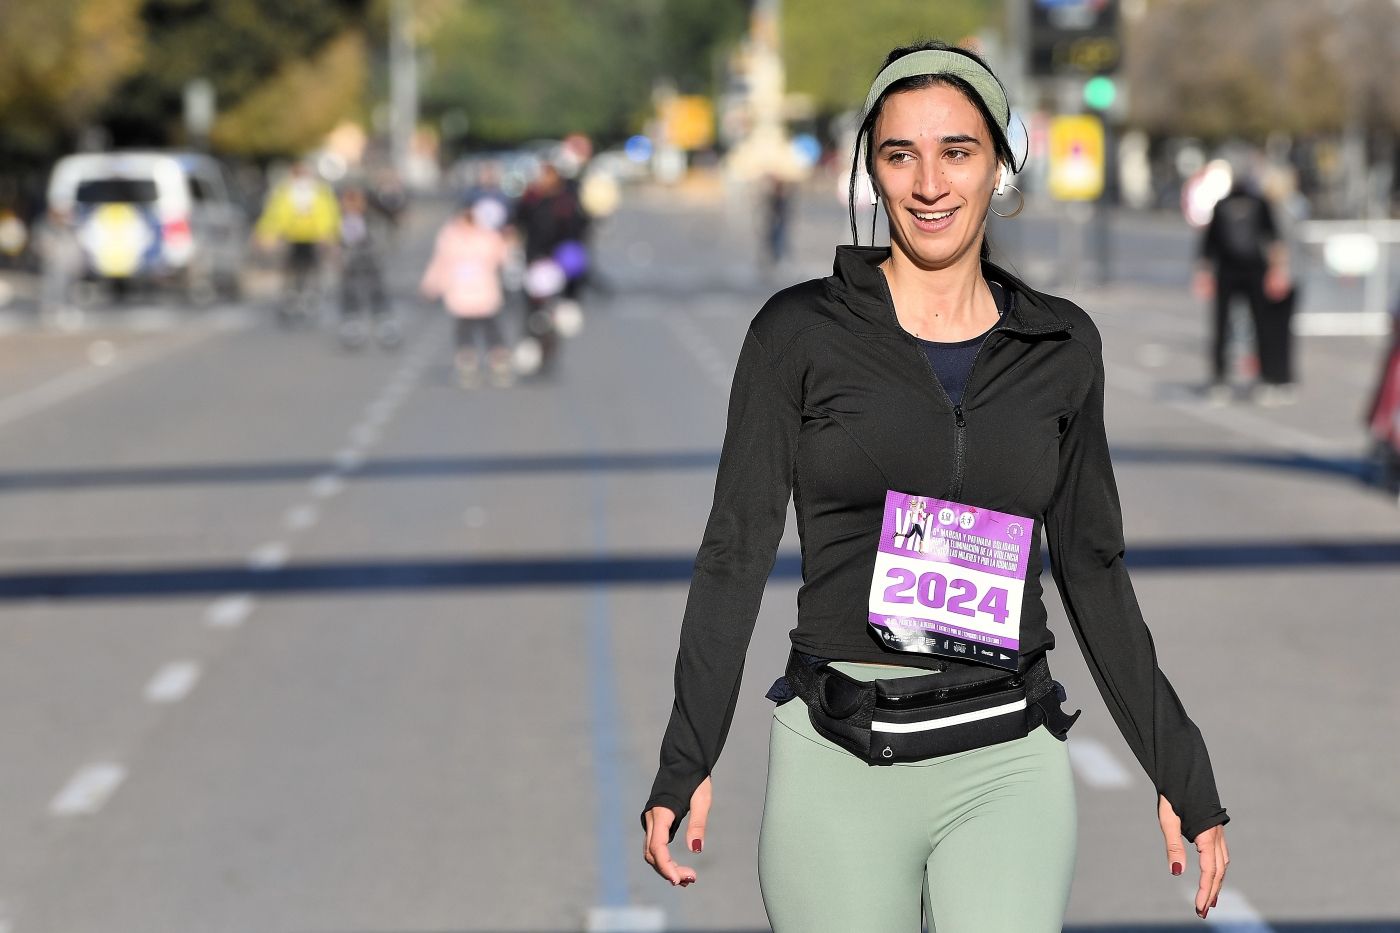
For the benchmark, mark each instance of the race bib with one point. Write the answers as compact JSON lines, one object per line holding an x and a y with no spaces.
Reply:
{"x":949,"y":580}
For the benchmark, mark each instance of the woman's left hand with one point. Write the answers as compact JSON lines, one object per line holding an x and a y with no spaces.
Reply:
{"x":1210,"y":845}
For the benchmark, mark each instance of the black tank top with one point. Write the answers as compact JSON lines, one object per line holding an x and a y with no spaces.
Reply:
{"x":952,"y":362}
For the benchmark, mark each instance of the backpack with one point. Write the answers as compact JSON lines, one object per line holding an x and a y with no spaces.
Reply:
{"x":1240,"y":230}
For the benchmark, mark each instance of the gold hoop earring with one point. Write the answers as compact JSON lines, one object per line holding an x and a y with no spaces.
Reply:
{"x":1020,"y":205}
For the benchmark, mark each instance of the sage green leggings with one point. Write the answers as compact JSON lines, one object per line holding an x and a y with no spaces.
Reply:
{"x":977,"y":842}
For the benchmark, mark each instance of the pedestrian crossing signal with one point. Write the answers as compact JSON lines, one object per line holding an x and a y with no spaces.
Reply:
{"x":1100,"y":92}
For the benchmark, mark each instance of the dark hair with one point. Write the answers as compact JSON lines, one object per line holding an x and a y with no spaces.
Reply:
{"x":865,"y":134}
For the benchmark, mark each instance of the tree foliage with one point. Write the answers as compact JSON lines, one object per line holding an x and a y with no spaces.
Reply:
{"x":246,"y":49}
{"x":60,"y":60}
{"x":1219,"y":70}
{"x":694,"y":35}
{"x":549,"y":67}
{"x":295,"y":108}
{"x":833,"y":48}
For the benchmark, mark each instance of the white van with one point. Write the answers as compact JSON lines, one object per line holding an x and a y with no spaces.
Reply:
{"x":162,"y":217}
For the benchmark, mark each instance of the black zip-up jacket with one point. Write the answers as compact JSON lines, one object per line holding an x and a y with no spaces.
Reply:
{"x":834,"y":403}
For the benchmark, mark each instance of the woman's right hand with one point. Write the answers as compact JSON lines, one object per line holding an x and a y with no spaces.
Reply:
{"x":659,"y":820}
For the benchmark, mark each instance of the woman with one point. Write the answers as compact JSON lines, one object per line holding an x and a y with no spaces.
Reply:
{"x":930,"y":414}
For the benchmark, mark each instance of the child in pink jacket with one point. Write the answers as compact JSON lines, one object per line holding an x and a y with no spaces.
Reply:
{"x":465,"y":273}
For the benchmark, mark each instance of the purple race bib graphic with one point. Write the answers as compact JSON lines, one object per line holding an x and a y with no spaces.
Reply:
{"x":949,"y":579}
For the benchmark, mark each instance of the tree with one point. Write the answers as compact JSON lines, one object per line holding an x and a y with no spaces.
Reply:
{"x":833,"y":48}
{"x":549,"y":67}
{"x":294,"y":109}
{"x":545,"y":68}
{"x":693,"y":33}
{"x":1223,"y":70}
{"x":60,"y":60}
{"x":248,"y":49}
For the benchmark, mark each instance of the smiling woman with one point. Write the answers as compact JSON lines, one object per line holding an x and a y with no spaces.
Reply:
{"x":917,"y":748}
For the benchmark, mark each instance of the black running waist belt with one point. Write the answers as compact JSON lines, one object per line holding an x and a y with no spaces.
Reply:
{"x":908,"y":719}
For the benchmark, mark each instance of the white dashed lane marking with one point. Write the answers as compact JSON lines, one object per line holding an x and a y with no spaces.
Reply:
{"x":173,"y":682}
{"x":77,"y":381}
{"x":300,"y":517}
{"x":1246,"y":424}
{"x":229,"y":611}
{"x":626,"y":920}
{"x":379,"y":411}
{"x":88,"y":790}
{"x":153,"y":320}
{"x":716,"y":366}
{"x":1095,"y":764}
{"x":102,"y":353}
{"x":1153,"y":355}
{"x":1233,"y":912}
{"x":270,"y":556}
{"x":349,"y":459}
{"x":327,"y":485}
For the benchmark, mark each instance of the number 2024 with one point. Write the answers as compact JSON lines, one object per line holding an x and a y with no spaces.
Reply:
{"x":936,"y":591}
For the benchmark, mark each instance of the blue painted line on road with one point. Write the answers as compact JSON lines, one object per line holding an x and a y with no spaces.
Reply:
{"x":608,"y":772}
{"x":603,"y":570}
{"x":380,"y":468}
{"x":607,"y":753}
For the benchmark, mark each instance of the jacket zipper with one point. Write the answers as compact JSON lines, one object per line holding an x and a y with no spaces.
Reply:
{"x":959,"y":421}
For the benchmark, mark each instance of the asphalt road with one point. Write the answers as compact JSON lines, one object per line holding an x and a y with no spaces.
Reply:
{"x":293,"y":639}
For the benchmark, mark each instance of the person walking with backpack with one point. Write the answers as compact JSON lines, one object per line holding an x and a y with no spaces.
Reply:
{"x":1242,"y":256}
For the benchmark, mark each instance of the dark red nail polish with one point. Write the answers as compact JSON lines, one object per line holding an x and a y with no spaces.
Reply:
{"x":1176,"y":868}
{"x":1214,"y":899}
{"x":695,"y":845}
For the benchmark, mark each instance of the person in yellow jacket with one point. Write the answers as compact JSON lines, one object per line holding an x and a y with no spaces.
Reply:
{"x":301,"y":212}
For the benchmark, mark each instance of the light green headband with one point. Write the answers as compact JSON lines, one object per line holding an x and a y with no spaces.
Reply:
{"x":943,"y":62}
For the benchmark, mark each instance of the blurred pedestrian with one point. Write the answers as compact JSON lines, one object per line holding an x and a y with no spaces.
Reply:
{"x":465,"y":275}
{"x":364,"y":302}
{"x":777,"y":208}
{"x":492,"y":203}
{"x":387,"y":196}
{"x":549,"y":215}
{"x":14,"y":229}
{"x":61,"y":262}
{"x":1242,"y":256}
{"x":302,"y":216}
{"x":1383,"y":415}
{"x":918,"y":742}
{"x":553,"y":228}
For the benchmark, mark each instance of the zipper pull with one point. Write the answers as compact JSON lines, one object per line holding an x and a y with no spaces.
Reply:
{"x":958,"y":416}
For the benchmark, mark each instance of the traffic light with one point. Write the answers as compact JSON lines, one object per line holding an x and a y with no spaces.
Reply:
{"x":1074,"y":37}
{"x":1100,"y":92}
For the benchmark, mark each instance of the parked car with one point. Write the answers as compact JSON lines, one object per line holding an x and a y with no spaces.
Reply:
{"x":151,"y":218}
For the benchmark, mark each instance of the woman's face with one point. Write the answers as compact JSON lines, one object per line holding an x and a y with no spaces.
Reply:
{"x":935,"y":169}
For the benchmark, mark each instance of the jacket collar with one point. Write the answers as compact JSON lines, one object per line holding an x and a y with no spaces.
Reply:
{"x":858,"y":283}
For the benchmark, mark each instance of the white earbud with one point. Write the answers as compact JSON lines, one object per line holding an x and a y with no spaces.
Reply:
{"x":1001,"y":180}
